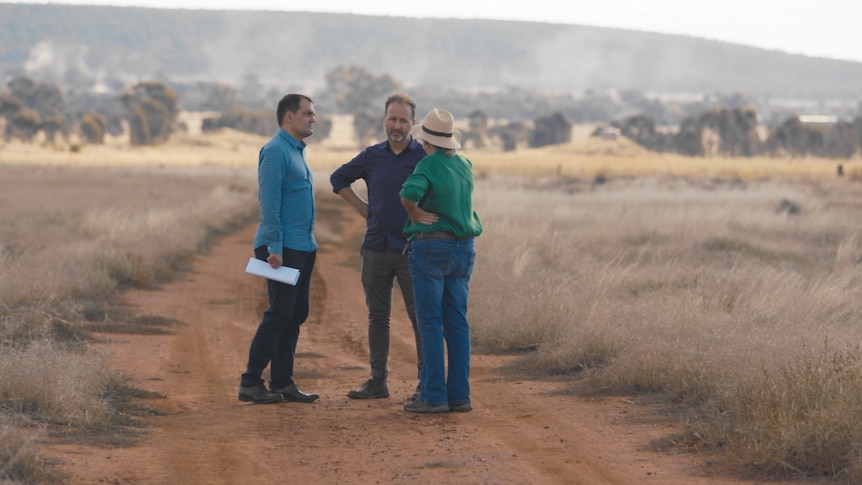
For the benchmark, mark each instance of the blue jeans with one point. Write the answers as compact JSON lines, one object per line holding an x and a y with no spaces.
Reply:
{"x":440,"y":270}
{"x":379,"y":270}
{"x":274,"y":343}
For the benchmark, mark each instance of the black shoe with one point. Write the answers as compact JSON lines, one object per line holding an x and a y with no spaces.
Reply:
{"x":258,"y":394}
{"x":371,"y":389}
{"x":461,"y":408}
{"x":292,"y":393}
{"x":422,"y":407}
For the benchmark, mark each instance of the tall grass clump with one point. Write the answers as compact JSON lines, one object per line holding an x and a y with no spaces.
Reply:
{"x":799,"y":419}
{"x":55,"y":385}
{"x":691,"y":290}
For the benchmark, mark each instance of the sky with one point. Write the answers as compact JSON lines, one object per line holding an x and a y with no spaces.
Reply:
{"x":817,"y":28}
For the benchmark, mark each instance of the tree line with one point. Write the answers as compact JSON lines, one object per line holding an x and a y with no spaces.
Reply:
{"x":30,"y":106}
{"x":734,"y":132}
{"x":727,"y":125}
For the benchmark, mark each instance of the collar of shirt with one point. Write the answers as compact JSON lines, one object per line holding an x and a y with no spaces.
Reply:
{"x":409,"y":147}
{"x":298,"y":144}
{"x":384,"y":173}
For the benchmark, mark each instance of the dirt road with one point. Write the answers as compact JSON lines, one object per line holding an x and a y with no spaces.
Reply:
{"x":519,"y":431}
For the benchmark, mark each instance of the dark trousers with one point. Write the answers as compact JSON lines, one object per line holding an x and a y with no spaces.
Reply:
{"x":380,"y":269}
{"x":275,"y":341}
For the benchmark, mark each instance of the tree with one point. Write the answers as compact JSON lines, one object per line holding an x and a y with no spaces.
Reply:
{"x":9,"y":106}
{"x":46,"y":99}
{"x":354,"y":89}
{"x":511,"y":134}
{"x":322,"y":129}
{"x":52,"y":125}
{"x":22,"y":88}
{"x":150,"y":123}
{"x":477,"y":135}
{"x":25,"y":124}
{"x":139,"y":127}
{"x":260,"y":122}
{"x":367,"y":127}
{"x":736,"y":129}
{"x":93,"y":128}
{"x":641,"y":129}
{"x":842,"y":140}
{"x":551,"y":130}
{"x":153,"y":110}
{"x":691,"y":140}
{"x":220,"y":97}
{"x":115,"y":124}
{"x":796,"y":139}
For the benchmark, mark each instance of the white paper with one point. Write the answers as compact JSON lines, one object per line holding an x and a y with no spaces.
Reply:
{"x":282,"y":273}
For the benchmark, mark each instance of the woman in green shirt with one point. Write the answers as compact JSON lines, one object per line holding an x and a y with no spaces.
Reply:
{"x":438,"y":197}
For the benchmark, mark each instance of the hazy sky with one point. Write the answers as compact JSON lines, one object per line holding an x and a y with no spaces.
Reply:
{"x":823,"y":28}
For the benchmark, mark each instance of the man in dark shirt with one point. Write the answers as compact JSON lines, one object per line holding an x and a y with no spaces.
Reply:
{"x":383,"y":167}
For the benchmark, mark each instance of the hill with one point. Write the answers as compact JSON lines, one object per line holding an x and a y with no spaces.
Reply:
{"x":296,"y":49}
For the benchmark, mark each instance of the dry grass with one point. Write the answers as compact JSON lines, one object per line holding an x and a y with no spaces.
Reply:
{"x":69,"y":238}
{"x":623,"y":158}
{"x":703,"y":291}
{"x":54,"y":385}
{"x":643,"y":274}
{"x":225,"y":148}
{"x":79,"y":252}
{"x":20,"y":460}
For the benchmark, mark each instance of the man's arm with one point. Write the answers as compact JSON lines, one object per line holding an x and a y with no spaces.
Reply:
{"x":352,"y":198}
{"x":270,"y":176}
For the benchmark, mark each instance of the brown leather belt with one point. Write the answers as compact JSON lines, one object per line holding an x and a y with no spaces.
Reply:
{"x":438,"y":235}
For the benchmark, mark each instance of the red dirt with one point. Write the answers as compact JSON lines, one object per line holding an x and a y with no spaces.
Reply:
{"x":520,"y":431}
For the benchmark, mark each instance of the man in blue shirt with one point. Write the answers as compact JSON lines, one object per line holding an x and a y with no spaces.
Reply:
{"x":284,"y":238}
{"x":383,"y":167}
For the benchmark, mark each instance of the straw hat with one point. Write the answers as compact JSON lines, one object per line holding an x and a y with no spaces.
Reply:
{"x":438,"y":129}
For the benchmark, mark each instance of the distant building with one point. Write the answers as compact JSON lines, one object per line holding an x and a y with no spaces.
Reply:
{"x":818,"y":119}
{"x":607,"y":132}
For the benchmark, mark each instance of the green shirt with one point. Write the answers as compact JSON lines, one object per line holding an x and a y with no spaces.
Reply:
{"x":444,"y":186}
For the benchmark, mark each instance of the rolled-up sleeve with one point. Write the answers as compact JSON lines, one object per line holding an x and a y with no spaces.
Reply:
{"x":348,"y":173}
{"x":414,"y":187}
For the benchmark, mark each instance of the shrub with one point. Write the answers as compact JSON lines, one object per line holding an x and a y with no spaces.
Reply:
{"x":93,"y":128}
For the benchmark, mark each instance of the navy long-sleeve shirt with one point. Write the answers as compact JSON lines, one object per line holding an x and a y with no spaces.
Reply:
{"x":384,"y":173}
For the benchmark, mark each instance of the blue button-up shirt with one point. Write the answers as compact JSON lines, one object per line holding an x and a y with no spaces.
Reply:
{"x":383,"y":172}
{"x":286,"y":196}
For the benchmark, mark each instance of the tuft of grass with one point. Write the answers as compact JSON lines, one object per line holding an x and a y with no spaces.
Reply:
{"x":20,"y":458}
{"x":799,"y":420}
{"x":124,"y":427}
{"x":53,"y":385}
